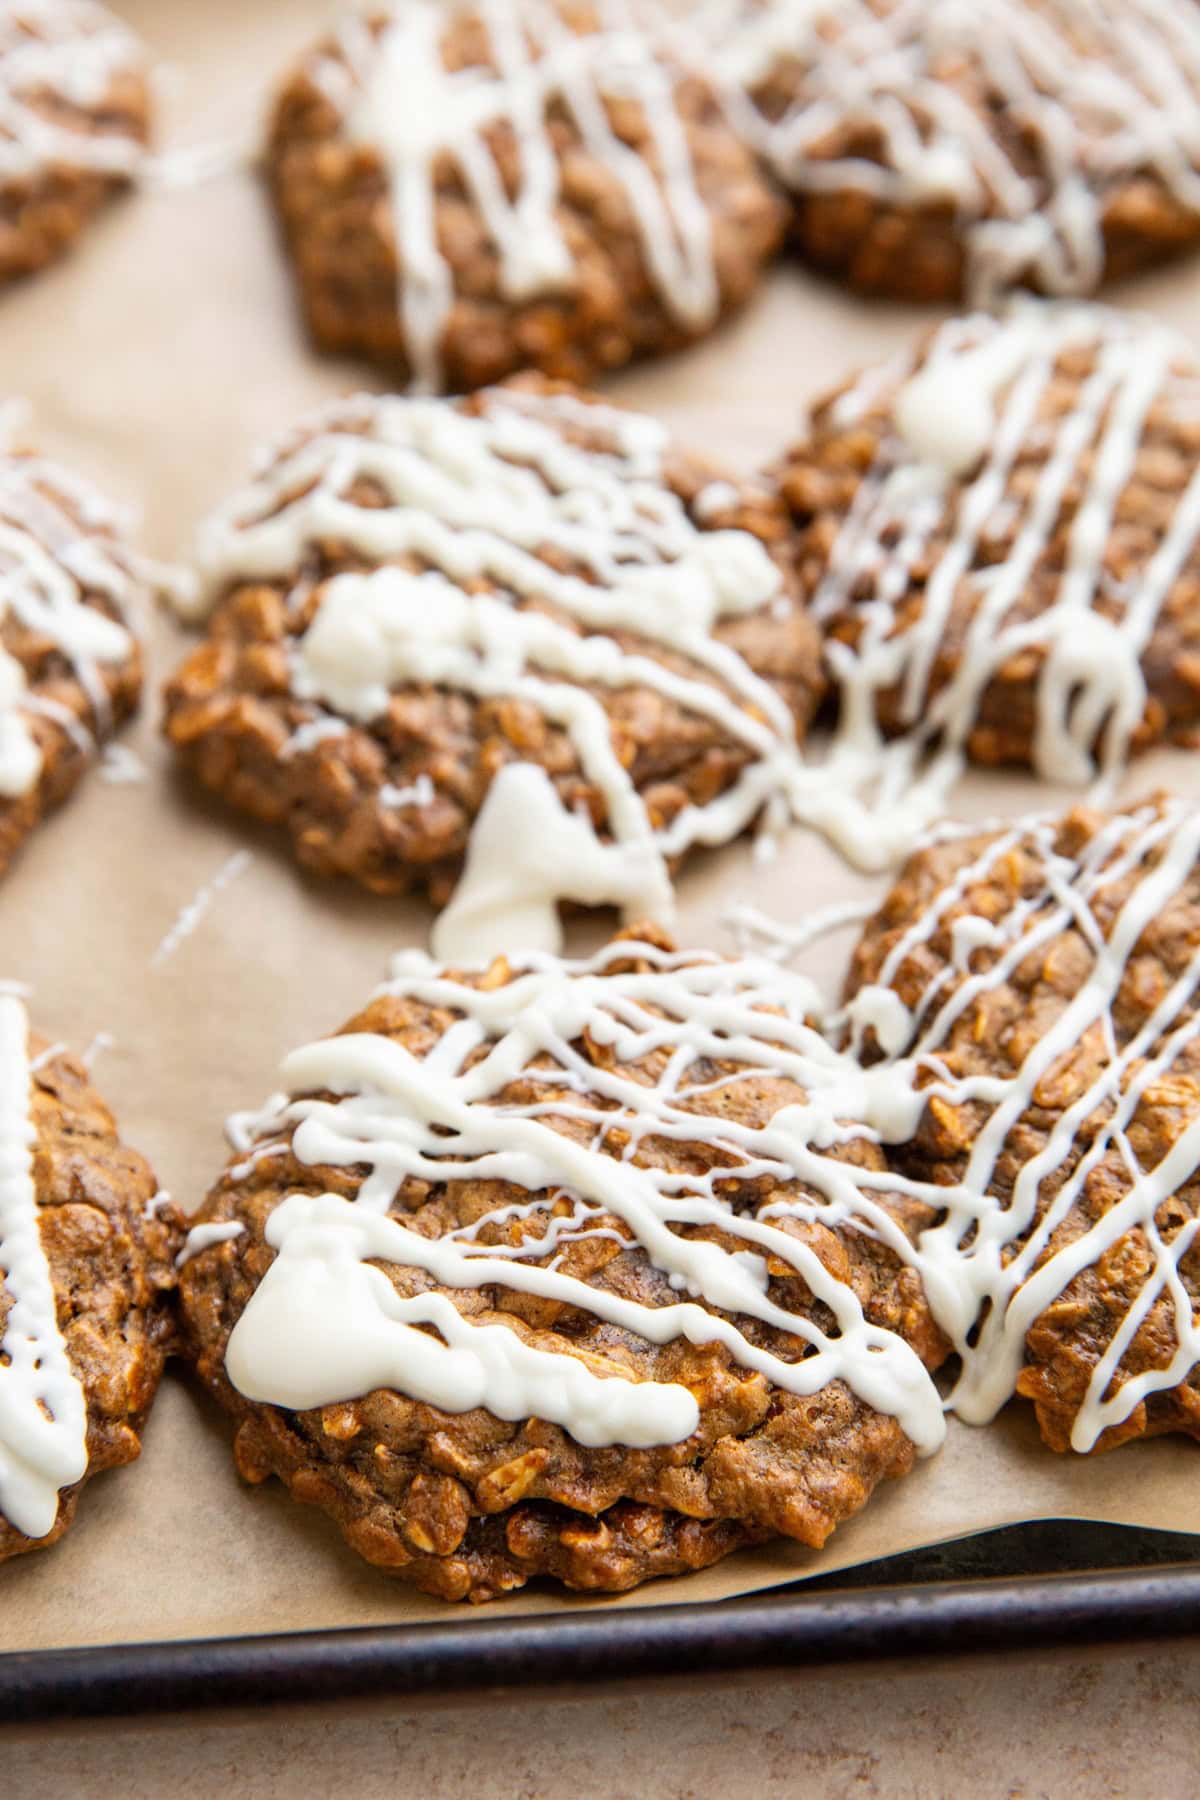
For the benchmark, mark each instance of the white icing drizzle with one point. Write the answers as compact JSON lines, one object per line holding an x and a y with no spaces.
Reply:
{"x":193,"y":912}
{"x":324,"y":1326}
{"x":122,"y":767}
{"x":155,"y":1204}
{"x":963,"y":417}
{"x":1105,"y":90}
{"x":756,"y":932}
{"x":419,"y":793}
{"x":47,"y":564}
{"x":394,"y":93}
{"x":103,"y":1040}
{"x":203,"y":1237}
{"x":74,"y":51}
{"x":43,"y":1416}
{"x":315,"y":731}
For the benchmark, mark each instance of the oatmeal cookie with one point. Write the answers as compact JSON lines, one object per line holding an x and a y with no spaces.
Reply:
{"x":70,"y":663}
{"x":85,"y":1321}
{"x":528,"y":1273}
{"x":1041,"y":982}
{"x":74,"y":123}
{"x":941,"y":149}
{"x":999,"y":537}
{"x":475,"y":188}
{"x":525,"y":607}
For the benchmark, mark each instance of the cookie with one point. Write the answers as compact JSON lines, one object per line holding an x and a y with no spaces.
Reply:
{"x":74,"y":122}
{"x":87,"y":1272}
{"x":998,"y":536}
{"x":471,"y":189}
{"x":936,"y":149}
{"x":70,"y":664}
{"x":1040,"y":983}
{"x":528,"y":1273}
{"x":522,"y":623}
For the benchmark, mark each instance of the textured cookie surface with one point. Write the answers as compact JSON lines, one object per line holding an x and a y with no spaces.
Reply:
{"x":70,"y":664}
{"x":85,"y":1320}
{"x":998,"y":536}
{"x":416,"y":597}
{"x":521,"y":1281}
{"x":471,"y":189}
{"x":73,"y":123}
{"x":1048,"y":974}
{"x":935,"y":149}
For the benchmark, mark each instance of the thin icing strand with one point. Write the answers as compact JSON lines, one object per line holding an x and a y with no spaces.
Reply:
{"x":52,"y":552}
{"x":43,"y":1416}
{"x":444,"y":1116}
{"x":395,"y":94}
{"x":71,"y":51}
{"x":1103,"y":90}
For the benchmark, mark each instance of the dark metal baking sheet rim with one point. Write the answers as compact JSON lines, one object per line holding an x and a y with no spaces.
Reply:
{"x":791,"y":1628}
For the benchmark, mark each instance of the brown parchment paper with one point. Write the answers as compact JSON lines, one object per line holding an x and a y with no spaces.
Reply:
{"x":156,"y":359}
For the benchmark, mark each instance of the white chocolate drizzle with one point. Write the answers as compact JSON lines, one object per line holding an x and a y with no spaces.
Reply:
{"x":203,"y":1237}
{"x":1096,"y":93}
{"x":485,"y":496}
{"x":72,"y":52}
{"x":43,"y":1415}
{"x":323,"y":1325}
{"x":191,"y":914}
{"x":394,"y":92}
{"x":959,"y":423}
{"x":53,"y":552}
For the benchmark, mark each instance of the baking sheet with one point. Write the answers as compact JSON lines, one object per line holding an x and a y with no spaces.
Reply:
{"x":156,"y":360}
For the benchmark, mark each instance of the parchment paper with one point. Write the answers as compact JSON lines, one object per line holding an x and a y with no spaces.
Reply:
{"x":156,"y":359}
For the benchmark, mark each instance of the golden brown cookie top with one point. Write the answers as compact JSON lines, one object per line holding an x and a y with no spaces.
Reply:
{"x":477,"y":188}
{"x":1040,"y":980}
{"x":71,"y":589}
{"x":432,"y":613}
{"x":74,"y":120}
{"x":83,"y":1294}
{"x":1000,"y":536}
{"x":552,"y":1230}
{"x":943,"y":147}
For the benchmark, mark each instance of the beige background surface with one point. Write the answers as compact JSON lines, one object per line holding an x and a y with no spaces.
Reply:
{"x":156,"y":359}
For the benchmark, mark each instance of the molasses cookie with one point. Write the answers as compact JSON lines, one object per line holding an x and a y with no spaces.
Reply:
{"x":85,"y":1280}
{"x":74,"y":121}
{"x":1039,"y":983}
{"x":70,"y":665}
{"x":522,"y":622}
{"x":999,"y":537}
{"x":543,"y":1270}
{"x":941,"y":148}
{"x":480,"y":187}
